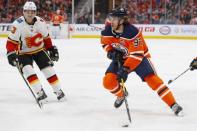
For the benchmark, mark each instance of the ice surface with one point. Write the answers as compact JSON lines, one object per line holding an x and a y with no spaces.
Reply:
{"x":89,"y":107}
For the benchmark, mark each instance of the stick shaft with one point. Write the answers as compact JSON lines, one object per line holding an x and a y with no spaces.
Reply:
{"x":180,"y":75}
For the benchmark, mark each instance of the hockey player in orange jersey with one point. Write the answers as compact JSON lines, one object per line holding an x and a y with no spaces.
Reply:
{"x":126,"y":46}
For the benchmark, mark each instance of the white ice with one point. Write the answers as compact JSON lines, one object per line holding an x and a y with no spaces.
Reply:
{"x":89,"y":107}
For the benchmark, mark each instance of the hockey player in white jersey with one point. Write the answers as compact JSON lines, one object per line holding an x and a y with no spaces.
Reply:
{"x":29,"y":41}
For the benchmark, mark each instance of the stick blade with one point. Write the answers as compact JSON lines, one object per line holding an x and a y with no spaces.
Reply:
{"x":170,"y":81}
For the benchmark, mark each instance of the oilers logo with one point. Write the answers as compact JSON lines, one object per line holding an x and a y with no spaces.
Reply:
{"x":121,"y":48}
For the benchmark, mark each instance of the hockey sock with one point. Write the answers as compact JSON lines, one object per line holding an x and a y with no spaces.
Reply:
{"x":32,"y":78}
{"x":52,"y":78}
{"x":163,"y":91}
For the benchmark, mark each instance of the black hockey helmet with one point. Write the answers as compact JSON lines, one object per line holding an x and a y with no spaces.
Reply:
{"x":119,"y":12}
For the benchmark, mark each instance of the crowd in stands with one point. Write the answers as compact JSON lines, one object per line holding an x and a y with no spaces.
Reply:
{"x":155,"y":12}
{"x":140,"y":11}
{"x":12,"y":9}
{"x":161,"y":11}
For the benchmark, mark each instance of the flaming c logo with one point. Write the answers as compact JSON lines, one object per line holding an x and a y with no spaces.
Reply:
{"x":34,"y":41}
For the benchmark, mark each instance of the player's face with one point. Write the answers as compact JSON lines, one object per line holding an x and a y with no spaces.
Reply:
{"x":115,"y":21}
{"x":29,"y":15}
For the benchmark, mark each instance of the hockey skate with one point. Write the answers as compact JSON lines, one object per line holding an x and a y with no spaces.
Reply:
{"x":60,"y":95}
{"x":177,"y":109}
{"x":41,"y":96}
{"x":118,"y":102}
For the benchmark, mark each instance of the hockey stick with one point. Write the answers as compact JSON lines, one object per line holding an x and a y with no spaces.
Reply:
{"x":172,"y":80}
{"x":88,"y":23}
{"x":126,"y":102}
{"x":20,"y":71}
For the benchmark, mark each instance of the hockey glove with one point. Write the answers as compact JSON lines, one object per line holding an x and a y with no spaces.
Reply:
{"x":12,"y":58}
{"x":115,"y":55}
{"x":122,"y":74}
{"x":53,"y":53}
{"x":193,"y":64}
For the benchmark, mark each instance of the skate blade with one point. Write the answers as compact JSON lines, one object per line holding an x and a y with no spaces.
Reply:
{"x":44,"y":101}
{"x":63,"y":99}
{"x":180,"y":114}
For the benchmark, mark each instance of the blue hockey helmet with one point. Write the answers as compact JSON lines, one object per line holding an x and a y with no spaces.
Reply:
{"x":119,"y":12}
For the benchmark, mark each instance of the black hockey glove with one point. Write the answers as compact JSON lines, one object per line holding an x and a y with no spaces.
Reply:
{"x":193,"y":64}
{"x":53,"y":53}
{"x":115,"y":55}
{"x":122,"y":74}
{"x":12,"y":58}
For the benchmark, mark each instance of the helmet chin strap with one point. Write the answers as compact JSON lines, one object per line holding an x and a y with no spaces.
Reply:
{"x":119,"y":24}
{"x":32,"y":22}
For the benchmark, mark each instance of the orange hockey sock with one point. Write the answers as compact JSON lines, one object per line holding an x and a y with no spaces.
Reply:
{"x":163,"y":91}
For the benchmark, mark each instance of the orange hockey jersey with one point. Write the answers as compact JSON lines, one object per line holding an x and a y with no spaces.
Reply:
{"x":57,"y":19}
{"x":131,"y":42}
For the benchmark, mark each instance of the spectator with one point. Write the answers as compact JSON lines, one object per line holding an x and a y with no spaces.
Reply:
{"x":9,"y":11}
{"x":140,"y":11}
{"x":97,"y":18}
{"x":194,"y":18}
{"x":161,"y":11}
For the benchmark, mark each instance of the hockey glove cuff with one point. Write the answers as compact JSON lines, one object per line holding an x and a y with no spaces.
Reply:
{"x":12,"y":58}
{"x":53,"y":53}
{"x":193,"y":64}
{"x":115,"y":55}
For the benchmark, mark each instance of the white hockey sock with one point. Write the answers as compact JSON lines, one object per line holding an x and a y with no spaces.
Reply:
{"x":52,"y":78}
{"x":32,"y":78}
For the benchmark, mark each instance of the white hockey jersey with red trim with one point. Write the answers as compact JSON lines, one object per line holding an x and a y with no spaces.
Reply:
{"x":30,"y":38}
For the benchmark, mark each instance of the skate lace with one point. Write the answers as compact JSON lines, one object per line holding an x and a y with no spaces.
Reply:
{"x":58,"y":93}
{"x":175,"y":107}
{"x":120,"y":99}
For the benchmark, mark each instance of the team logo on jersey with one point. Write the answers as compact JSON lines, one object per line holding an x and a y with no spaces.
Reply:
{"x":120,"y":47}
{"x":137,"y":42}
{"x":34,"y":41}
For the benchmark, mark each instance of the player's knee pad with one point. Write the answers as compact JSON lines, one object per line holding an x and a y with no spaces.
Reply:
{"x":109,"y":81}
{"x":153,"y":81}
{"x":28,"y":70}
{"x":48,"y":71}
{"x":31,"y":77}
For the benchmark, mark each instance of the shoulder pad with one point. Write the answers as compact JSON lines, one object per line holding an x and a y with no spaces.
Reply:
{"x":19,"y":20}
{"x":130,"y":31}
{"x":40,"y":19}
{"x":107,"y":31}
